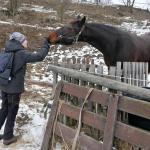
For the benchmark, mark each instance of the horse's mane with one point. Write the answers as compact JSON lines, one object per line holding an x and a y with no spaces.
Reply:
{"x":109,"y":28}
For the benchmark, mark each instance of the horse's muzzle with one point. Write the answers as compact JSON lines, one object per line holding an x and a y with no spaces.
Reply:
{"x":53,"y":37}
{"x":66,"y":41}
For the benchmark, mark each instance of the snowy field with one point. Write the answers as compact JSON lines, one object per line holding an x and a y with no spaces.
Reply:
{"x":31,"y":123}
{"x":143,"y":4}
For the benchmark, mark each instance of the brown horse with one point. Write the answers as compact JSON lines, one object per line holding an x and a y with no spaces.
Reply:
{"x":114,"y":43}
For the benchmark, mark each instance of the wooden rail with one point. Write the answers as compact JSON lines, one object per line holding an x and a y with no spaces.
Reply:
{"x":108,"y":124}
{"x":112,"y":84}
{"x":133,"y":73}
{"x":90,"y":75}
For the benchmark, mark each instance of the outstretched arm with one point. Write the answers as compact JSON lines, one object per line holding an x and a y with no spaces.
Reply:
{"x":39,"y":55}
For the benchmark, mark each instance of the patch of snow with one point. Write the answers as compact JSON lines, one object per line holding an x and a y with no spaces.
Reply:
{"x":137,"y":28}
{"x":36,"y":8}
{"x":32,"y":132}
{"x":25,"y":25}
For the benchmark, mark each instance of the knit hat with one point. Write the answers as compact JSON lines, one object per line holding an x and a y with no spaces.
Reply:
{"x":18,"y":37}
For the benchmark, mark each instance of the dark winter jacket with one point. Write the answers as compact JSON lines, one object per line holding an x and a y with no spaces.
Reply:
{"x":21,"y":58}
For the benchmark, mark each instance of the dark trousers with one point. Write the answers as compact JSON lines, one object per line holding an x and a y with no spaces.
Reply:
{"x":8,"y":112}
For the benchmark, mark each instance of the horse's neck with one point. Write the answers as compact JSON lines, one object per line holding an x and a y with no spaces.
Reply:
{"x":98,"y":35}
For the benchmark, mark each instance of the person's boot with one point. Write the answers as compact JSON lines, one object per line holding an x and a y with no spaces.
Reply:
{"x":10,"y":141}
{"x":1,"y":136}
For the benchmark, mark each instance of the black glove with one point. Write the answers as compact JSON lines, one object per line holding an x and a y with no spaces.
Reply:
{"x":47,"y":38}
{"x":46,"y":42}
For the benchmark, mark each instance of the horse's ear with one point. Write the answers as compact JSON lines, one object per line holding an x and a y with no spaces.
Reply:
{"x":82,"y":22}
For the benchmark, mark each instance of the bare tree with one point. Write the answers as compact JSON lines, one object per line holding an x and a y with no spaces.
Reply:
{"x":106,"y":2}
{"x":129,"y":4}
{"x":97,"y":2}
{"x":13,"y":6}
{"x":61,"y":6}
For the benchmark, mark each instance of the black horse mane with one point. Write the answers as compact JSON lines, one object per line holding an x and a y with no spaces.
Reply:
{"x":109,"y":28}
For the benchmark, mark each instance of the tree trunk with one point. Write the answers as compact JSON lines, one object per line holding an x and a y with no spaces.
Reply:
{"x":13,"y":7}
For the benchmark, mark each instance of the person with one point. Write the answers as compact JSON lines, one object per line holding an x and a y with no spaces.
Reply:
{"x":11,"y":93}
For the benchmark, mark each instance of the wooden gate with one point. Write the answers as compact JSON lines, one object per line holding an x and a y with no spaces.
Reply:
{"x":108,"y":124}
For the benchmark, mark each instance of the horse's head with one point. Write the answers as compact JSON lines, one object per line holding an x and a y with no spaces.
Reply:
{"x":68,"y":34}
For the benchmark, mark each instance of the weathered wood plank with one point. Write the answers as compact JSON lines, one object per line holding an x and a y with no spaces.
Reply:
{"x":55,"y":74}
{"x":80,"y":92}
{"x":46,"y":144}
{"x":110,"y":122}
{"x":63,"y":64}
{"x":134,"y":106}
{"x":100,"y":70}
{"x":118,"y":72}
{"x":129,"y":73}
{"x":125,"y":72}
{"x":133,"y":82}
{"x":99,"y":121}
{"x":112,"y":72}
{"x":126,"y":104}
{"x":146,"y":74}
{"x":140,"y":74}
{"x":85,"y":141}
{"x":133,"y":135}
{"x":137,"y":73}
{"x":112,"y":84}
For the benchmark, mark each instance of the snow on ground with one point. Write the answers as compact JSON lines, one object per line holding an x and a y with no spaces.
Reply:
{"x":30,"y":123}
{"x":36,"y":8}
{"x":144,"y":4}
{"x":30,"y":7}
{"x":137,"y":27}
{"x":31,"y":132}
{"x":12,"y":23}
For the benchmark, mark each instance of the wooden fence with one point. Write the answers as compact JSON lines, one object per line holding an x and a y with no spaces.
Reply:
{"x":134,"y":136}
{"x":133,"y":73}
{"x":108,"y":124}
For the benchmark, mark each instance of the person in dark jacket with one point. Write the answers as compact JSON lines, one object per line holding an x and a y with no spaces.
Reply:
{"x":12,"y":92}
